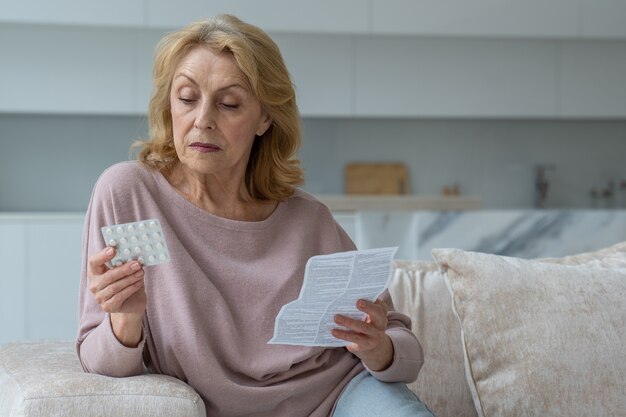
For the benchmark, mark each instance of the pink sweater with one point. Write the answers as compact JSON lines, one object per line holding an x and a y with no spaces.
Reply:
{"x":211,"y":310}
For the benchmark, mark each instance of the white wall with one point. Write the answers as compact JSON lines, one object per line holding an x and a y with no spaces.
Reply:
{"x":50,"y":163}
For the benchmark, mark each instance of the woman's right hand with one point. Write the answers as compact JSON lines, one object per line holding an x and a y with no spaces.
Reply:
{"x":119,"y":291}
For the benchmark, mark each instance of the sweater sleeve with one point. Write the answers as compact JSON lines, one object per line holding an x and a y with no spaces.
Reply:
{"x":98,"y":349}
{"x":408,"y":356}
{"x":101,"y":353}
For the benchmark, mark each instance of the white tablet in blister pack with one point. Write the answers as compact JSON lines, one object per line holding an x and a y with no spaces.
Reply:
{"x":142,"y":240}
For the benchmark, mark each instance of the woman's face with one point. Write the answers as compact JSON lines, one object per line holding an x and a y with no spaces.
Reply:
{"x":215,"y":116}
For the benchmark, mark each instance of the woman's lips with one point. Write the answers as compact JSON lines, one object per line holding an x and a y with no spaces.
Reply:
{"x":204,"y":147}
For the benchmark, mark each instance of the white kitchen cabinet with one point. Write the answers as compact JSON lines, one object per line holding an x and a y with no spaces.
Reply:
{"x":593,"y":80}
{"x":490,"y":18}
{"x":322,"y":16}
{"x":321,"y":67}
{"x":12,"y":280}
{"x":484,"y":18}
{"x":65,"y":69}
{"x":40,"y":258}
{"x":422,"y":77}
{"x":603,"y":18}
{"x":54,"y":262}
{"x":74,"y":12}
{"x":143,"y":60}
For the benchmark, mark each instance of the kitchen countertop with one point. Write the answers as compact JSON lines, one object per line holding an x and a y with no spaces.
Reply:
{"x":399,"y":202}
{"x":42,"y":215}
{"x":335,"y":203}
{"x":525,"y":233}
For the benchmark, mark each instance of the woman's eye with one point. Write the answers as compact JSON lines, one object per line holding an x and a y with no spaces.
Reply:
{"x":186,"y":100}
{"x":230,"y":105}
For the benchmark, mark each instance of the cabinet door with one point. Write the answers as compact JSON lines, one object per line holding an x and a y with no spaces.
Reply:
{"x":12,"y":281}
{"x":603,"y":18}
{"x":593,"y":79}
{"x":147,"y":40}
{"x":533,"y":18}
{"x":81,"y":12}
{"x":54,"y":261}
{"x":328,"y":16}
{"x":410,"y":77}
{"x":321,"y":68}
{"x":66,"y":69}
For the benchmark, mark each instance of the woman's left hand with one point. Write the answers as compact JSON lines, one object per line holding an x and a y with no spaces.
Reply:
{"x":369,"y":341}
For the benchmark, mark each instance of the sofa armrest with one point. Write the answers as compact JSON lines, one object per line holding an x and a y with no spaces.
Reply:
{"x":45,"y":378}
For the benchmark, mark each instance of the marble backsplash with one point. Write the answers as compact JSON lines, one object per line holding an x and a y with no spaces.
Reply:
{"x":520,"y":233}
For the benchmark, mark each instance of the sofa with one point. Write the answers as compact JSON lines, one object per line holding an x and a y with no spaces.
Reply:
{"x":501,"y":336}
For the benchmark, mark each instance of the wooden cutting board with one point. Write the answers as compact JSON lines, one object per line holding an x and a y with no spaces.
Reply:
{"x":376,"y":178}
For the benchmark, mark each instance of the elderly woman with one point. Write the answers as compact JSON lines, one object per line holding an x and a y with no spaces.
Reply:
{"x":220,"y":174}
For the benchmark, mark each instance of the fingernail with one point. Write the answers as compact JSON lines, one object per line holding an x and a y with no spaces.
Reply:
{"x":361,"y":303}
{"x":109,"y":251}
{"x":337,"y":319}
{"x":134,"y":266}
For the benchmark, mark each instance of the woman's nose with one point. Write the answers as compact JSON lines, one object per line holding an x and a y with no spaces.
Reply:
{"x":205,"y":118}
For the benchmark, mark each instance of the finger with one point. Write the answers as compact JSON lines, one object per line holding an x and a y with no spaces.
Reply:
{"x":115,"y":303}
{"x":98,"y":260}
{"x":375,"y":311}
{"x":114,"y":288}
{"x":362,"y":341}
{"x":117,"y":273}
{"x":383,"y":305}
{"x":359,"y":326}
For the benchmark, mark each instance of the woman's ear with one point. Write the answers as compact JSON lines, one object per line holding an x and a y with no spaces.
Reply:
{"x":264,"y":125}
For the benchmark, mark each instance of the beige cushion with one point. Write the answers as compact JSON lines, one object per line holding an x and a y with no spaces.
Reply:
{"x":613,"y":256}
{"x":418,"y":289}
{"x":46,"y":379}
{"x":540,"y":338}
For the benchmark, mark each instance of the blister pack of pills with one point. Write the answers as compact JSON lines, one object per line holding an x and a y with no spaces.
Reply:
{"x":142,"y":240}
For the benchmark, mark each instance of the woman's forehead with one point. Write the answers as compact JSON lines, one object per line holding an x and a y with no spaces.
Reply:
{"x":201,"y":64}
{"x":203,"y":58}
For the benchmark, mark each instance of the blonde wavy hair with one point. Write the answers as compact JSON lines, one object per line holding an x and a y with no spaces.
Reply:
{"x":273,"y":170}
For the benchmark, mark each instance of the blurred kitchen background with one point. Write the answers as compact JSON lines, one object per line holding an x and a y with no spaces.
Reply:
{"x":492,"y":125}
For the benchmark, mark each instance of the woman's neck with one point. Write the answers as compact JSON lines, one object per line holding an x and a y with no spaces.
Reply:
{"x":228,"y":199}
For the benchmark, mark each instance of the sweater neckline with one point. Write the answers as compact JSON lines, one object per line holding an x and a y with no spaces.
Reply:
{"x":172,"y":195}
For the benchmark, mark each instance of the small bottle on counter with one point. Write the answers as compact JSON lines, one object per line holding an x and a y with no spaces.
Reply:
{"x":609,"y":194}
{"x":622,"y":194}
{"x":598,"y":200}
{"x":608,"y":197}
